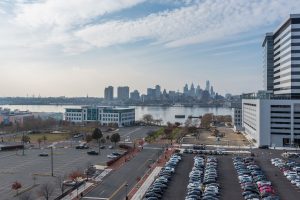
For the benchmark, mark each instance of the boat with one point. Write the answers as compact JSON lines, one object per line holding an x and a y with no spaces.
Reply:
{"x":179,"y":116}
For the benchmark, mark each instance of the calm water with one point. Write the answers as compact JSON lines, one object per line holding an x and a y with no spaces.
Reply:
{"x":164,"y":113}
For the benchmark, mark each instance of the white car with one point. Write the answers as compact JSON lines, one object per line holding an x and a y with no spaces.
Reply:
{"x":112,"y":156}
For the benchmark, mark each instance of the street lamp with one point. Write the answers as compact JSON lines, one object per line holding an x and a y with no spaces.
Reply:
{"x":126,"y":190}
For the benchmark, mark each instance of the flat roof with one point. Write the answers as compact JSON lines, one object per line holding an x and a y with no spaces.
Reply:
{"x":291,"y":16}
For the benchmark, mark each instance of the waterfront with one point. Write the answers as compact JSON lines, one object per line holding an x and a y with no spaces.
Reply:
{"x":167,"y":114}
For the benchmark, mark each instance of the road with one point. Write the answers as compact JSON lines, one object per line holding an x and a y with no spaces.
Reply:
{"x":114,"y":186}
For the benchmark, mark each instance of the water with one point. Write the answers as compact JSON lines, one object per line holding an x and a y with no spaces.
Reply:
{"x":167,"y":114}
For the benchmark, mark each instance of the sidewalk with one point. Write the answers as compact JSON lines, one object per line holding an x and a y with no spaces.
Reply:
{"x":159,"y":163}
{"x":142,"y":190}
{"x":76,"y":193}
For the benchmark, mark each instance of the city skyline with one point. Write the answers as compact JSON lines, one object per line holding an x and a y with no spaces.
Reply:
{"x":46,"y":46}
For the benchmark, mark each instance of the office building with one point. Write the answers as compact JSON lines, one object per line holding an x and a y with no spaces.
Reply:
{"x":109,"y":93}
{"x":207,"y":87}
{"x":151,"y":94}
{"x":272,"y":118}
{"x":157,"y":92}
{"x":104,"y":115}
{"x":186,"y":90}
{"x":135,"y":95}
{"x":287,"y":58}
{"x":123,"y":93}
{"x":268,"y":62}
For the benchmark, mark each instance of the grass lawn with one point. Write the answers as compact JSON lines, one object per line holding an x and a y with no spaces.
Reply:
{"x":51,"y":137}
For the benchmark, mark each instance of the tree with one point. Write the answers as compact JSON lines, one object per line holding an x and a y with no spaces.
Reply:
{"x":102,"y":140}
{"x":206,"y":120}
{"x":39,"y":140}
{"x":97,"y":134}
{"x":107,"y":137}
{"x":115,"y":138}
{"x":60,"y":183}
{"x":75,"y":175}
{"x":25,"y":138}
{"x":44,"y":138}
{"x":169,"y":133}
{"x":16,"y":186}
{"x":46,"y":190}
{"x":147,"y":118}
{"x":88,"y":138}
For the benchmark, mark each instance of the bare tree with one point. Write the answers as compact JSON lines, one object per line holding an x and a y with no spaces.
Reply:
{"x":60,"y":183}
{"x":46,"y":190}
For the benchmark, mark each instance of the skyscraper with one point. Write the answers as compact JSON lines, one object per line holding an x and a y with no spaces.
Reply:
{"x":157,"y":92}
{"x":109,"y":93}
{"x":123,"y":93}
{"x":287,"y":58}
{"x":207,"y":87}
{"x":268,"y":62}
{"x":135,"y":95}
{"x":186,"y":90}
{"x":192,"y":90}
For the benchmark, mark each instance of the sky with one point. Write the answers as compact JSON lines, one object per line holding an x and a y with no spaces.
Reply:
{"x":78,"y":47}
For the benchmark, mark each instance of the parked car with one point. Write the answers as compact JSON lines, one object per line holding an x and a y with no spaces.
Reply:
{"x":92,"y":153}
{"x":43,"y":154}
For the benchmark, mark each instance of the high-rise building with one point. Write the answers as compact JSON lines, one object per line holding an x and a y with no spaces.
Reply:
{"x":135,"y":95}
{"x":268,"y":62}
{"x":212,"y":93}
{"x":192,"y":90}
{"x":186,"y":90}
{"x":198,"y":91}
{"x":273,"y":120}
{"x":109,"y":93}
{"x":151,"y":93}
{"x":207,"y":87}
{"x":123,"y":93}
{"x":287,"y":58}
{"x":157,"y":92}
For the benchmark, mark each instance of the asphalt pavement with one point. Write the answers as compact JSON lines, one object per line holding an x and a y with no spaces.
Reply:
{"x":114,"y":186}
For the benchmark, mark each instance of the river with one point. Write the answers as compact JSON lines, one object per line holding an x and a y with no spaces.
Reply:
{"x":167,"y":114}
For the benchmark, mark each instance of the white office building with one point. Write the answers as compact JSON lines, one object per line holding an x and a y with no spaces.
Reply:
{"x":272,"y":118}
{"x":103,"y":115}
{"x":272,"y":122}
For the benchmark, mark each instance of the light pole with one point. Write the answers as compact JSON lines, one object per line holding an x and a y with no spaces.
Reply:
{"x":23,"y":144}
{"x":52,"y":174}
{"x":126,"y":190}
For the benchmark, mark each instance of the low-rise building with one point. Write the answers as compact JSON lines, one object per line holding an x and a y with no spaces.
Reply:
{"x":101,"y":114}
{"x":272,"y":122}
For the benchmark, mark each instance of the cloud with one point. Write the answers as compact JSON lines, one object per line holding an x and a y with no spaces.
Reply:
{"x":78,"y":25}
{"x":199,"y":22}
{"x":65,"y":14}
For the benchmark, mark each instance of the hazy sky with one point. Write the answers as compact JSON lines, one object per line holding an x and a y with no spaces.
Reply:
{"x":77,"y":47}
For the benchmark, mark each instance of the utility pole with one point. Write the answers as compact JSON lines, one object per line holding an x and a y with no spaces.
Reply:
{"x":52,"y":174}
{"x":23,"y":144}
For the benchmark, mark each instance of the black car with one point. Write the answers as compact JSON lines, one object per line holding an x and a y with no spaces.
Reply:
{"x":92,"y":153}
{"x":43,"y":154}
{"x":82,"y":147}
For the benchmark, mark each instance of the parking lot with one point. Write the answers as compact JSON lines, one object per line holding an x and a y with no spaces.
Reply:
{"x":228,"y":179}
{"x":15,"y":167}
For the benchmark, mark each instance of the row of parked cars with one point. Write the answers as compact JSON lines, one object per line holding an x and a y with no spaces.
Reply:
{"x":158,"y":187}
{"x":205,"y":152}
{"x":290,"y":169}
{"x":203,"y":180}
{"x":253,"y":181}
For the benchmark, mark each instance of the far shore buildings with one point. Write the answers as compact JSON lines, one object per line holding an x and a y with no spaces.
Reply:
{"x":272,"y":118}
{"x":13,"y":117}
{"x":103,"y":115}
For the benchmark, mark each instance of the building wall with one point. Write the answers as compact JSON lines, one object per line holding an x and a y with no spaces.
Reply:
{"x":270,"y":121}
{"x":287,"y":58}
{"x":103,"y":115}
{"x":237,"y":119}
